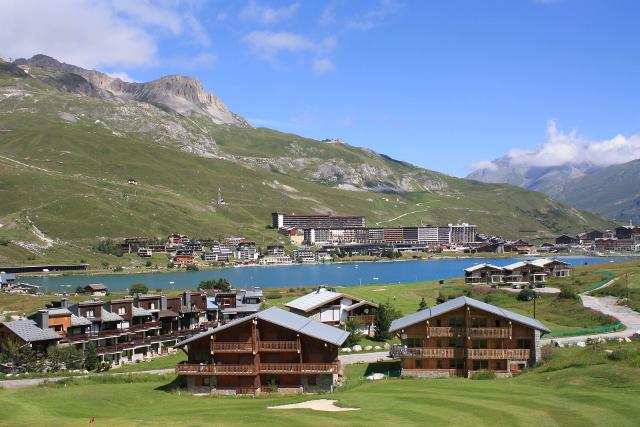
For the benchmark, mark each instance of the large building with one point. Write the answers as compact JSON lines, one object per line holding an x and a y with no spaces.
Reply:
{"x":462,"y":233}
{"x":284,"y":220}
{"x":272,"y":350}
{"x":463,"y":336}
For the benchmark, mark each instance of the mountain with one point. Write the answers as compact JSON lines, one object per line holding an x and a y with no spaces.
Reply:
{"x":610,"y":191}
{"x":69,"y":142}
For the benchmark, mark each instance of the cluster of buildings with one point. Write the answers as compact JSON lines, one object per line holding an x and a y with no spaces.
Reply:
{"x":518,"y":274}
{"x":297,"y":351}
{"x":10,"y":284}
{"x":352,"y":233}
{"x":129,"y":329}
{"x":625,"y":238}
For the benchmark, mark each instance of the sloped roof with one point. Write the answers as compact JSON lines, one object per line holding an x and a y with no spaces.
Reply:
{"x":58,"y":312}
{"x":456,"y":303}
{"x":28,"y":331}
{"x":515,"y":265}
{"x":360,"y":304}
{"x":286,"y":319}
{"x":139,"y":312}
{"x":168,"y":313}
{"x":314,"y":299}
{"x":108,"y":316}
{"x":79,"y":321}
{"x":96,"y":287}
{"x":483,"y":265}
{"x":542,"y":262}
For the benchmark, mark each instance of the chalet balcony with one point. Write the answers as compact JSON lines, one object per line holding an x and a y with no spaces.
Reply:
{"x":232,"y":347}
{"x":299,"y":368}
{"x":446,"y":331}
{"x":491,"y":353}
{"x":145,"y":326}
{"x":432,"y":353}
{"x":489,"y":332}
{"x":204,"y":369}
{"x":366,"y":319}
{"x":278,"y":346}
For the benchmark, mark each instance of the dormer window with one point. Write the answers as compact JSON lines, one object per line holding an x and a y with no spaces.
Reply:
{"x":122,"y":310}
{"x":90,"y":313}
{"x":152,"y":306}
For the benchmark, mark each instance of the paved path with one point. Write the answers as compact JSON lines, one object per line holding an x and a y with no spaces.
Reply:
{"x":348,"y":359}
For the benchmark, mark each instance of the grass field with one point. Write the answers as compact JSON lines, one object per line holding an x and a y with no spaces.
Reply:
{"x":577,"y":387}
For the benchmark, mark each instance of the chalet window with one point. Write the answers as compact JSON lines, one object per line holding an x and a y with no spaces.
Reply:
{"x":152,"y":305}
{"x":455,"y":321}
{"x":438,"y":322}
{"x":478,"y":343}
{"x":90,"y":313}
{"x":57,"y":328}
{"x":414,"y":342}
{"x":456,"y":342}
{"x":122,"y":310}
{"x":418,"y":364}
{"x":456,"y":364}
{"x":480,"y":364}
{"x":497,"y":323}
{"x":202,"y":381}
{"x":439,"y":364}
{"x":501,"y":365}
{"x":479,"y":322}
{"x":522,"y":343}
{"x":439,"y":343}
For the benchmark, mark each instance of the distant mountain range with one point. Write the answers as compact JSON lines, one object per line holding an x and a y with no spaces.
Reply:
{"x":611,"y":191}
{"x":71,"y":138}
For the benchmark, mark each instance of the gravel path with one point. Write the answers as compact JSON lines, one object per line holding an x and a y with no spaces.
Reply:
{"x":348,"y":359}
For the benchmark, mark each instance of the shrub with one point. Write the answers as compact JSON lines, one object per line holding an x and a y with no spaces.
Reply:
{"x":91,"y":357}
{"x":483,"y":375}
{"x":385,"y":314}
{"x":118,"y":268}
{"x":170,"y":265}
{"x":353,"y":327}
{"x":619,"y":354}
{"x":68,"y":357}
{"x":4,"y":242}
{"x":108,"y":247}
{"x":148,"y":263}
{"x":192,"y":267}
{"x":423,"y":304}
{"x":546,"y":353}
{"x":567,"y":293}
{"x":526,"y":295}
{"x":138,"y":288}
{"x":219,"y":284}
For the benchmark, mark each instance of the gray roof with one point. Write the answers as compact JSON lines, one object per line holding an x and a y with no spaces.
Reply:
{"x":5,"y":277}
{"x":79,"y":321}
{"x":456,"y":303}
{"x":286,"y":319}
{"x":244,"y":308}
{"x":108,"y":316}
{"x":28,"y":331}
{"x":314,"y":299}
{"x":58,"y":312}
{"x":139,"y":312}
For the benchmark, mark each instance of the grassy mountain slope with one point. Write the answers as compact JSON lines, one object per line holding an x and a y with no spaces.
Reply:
{"x":612,"y":192}
{"x":65,"y":159}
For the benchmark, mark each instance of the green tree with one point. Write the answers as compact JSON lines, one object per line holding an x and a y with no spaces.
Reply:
{"x":192,"y":267}
{"x":20,"y":358}
{"x":91,"y":361}
{"x":526,"y":295}
{"x":148,"y":263}
{"x":353,"y":327}
{"x":109,"y":247}
{"x":79,"y":289}
{"x":138,"y":288}
{"x":423,"y":304}
{"x":220,"y":284}
{"x":385,"y":314}
{"x":68,"y":357}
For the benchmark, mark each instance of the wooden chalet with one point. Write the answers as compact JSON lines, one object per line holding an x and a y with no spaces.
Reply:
{"x":272,"y":350}
{"x":463,"y":336}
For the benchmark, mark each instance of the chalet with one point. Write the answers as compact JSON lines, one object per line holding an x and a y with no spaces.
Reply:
{"x":553,"y":267}
{"x":246,"y":253}
{"x":463,"y":336}
{"x":590,"y":236}
{"x":277,"y":250}
{"x":334,"y":308}
{"x":272,"y":350}
{"x":241,"y":303}
{"x":566,"y":240}
{"x":486,"y":274}
{"x":145,"y":252}
{"x":7,"y":280}
{"x":523,"y":273}
{"x":29,"y":332}
{"x":22,"y":288}
{"x":275,"y":260}
{"x":96,"y":290}
{"x":614,"y":245}
{"x":183,"y":259}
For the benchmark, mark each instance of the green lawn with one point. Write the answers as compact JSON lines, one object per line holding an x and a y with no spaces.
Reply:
{"x":577,"y":387}
{"x":164,"y":362}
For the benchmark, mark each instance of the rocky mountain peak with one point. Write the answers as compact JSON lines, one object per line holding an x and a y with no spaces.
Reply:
{"x":181,"y":94}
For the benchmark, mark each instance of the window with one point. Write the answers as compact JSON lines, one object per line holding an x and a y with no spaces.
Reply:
{"x":497,"y":323}
{"x":439,"y":322}
{"x":419,"y":364}
{"x":456,"y":364}
{"x":414,"y":342}
{"x":90,"y":313}
{"x":152,"y":306}
{"x":480,"y":364}
{"x":479,"y":322}
{"x":57,"y":328}
{"x":456,"y":342}
{"x":439,"y":364}
{"x":522,"y":343}
{"x":122,"y":310}
{"x":478,"y":343}
{"x":439,"y":343}
{"x":202,"y":381}
{"x":455,"y":321}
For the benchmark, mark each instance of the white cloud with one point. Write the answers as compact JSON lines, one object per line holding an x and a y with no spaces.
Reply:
{"x":322,"y":65}
{"x":484,"y":164}
{"x":563,"y":148}
{"x":122,"y":76}
{"x":375,"y":16}
{"x":255,"y":11}
{"x":92,"y":34}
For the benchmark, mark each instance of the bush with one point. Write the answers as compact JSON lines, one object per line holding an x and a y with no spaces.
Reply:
{"x":170,"y":265}
{"x":526,"y":295}
{"x":619,"y":354}
{"x":138,"y":288}
{"x":483,"y":375}
{"x":219,"y":284}
{"x":91,"y":361}
{"x":108,"y":247}
{"x":148,"y":263}
{"x":68,"y":357}
{"x":385,"y":314}
{"x":567,"y":293}
{"x":4,"y":242}
{"x":353,"y":327}
{"x":192,"y":267}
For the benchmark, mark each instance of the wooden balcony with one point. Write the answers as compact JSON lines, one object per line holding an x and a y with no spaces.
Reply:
{"x":432,"y":353}
{"x":232,"y":347}
{"x":144,"y":326}
{"x":278,"y":346}
{"x":446,"y":331}
{"x":204,"y":369}
{"x":492,"y":353}
{"x":299,"y":368}
{"x":366,"y":319}
{"x":489,"y":332}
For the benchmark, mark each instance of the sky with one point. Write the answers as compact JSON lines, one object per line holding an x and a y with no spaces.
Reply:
{"x":447,"y":85}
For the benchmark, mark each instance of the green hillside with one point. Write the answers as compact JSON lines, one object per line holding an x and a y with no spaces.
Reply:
{"x":65,"y":159}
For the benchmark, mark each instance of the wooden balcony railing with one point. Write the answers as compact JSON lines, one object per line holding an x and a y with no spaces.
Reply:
{"x":446,"y":331}
{"x":278,"y":346}
{"x":492,"y":353}
{"x":232,"y":347}
{"x":489,"y":332}
{"x":145,"y":326}
{"x":367,"y":319}
{"x":204,"y":369}
{"x":299,"y":367}
{"x":432,"y":353}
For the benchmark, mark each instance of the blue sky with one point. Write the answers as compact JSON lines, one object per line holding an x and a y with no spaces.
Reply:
{"x":442,"y":84}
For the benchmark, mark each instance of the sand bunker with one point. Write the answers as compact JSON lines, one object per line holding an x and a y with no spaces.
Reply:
{"x":325,"y":405}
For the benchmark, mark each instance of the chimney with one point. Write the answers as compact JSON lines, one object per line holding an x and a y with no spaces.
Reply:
{"x":187,"y":298}
{"x":163,"y":302}
{"x":136,"y":300}
{"x":42,"y":319}
{"x":64,"y":303}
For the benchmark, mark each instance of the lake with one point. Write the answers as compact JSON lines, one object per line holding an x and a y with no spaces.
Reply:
{"x":297,"y":275}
